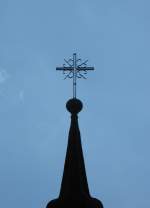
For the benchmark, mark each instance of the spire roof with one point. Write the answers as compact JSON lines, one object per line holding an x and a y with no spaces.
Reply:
{"x":74,"y":180}
{"x":74,"y":192}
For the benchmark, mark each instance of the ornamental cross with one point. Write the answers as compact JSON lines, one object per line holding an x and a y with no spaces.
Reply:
{"x":73,"y":69}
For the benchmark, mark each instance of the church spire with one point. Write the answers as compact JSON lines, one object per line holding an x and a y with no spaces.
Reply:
{"x":74,"y":180}
{"x":74,"y":191}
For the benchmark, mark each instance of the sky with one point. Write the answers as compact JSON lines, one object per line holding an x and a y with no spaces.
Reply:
{"x":35,"y":37}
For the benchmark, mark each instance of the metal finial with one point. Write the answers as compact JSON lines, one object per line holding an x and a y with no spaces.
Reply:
{"x":73,"y":69}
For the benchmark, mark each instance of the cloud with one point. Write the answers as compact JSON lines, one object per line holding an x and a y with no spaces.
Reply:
{"x":3,"y":76}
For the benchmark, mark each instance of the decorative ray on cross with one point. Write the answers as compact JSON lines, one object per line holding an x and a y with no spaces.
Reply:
{"x":74,"y":68}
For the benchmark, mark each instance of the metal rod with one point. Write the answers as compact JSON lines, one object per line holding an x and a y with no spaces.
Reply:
{"x":74,"y":75}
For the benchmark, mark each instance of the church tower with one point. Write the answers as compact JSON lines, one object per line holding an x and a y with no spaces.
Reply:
{"x":74,"y":191}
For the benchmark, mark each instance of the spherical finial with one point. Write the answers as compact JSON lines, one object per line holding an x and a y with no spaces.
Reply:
{"x":74,"y":106}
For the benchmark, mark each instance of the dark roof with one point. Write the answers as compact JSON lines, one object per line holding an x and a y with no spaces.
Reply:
{"x":74,"y":192}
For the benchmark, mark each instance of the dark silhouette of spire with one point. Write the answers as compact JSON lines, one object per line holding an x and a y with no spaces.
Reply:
{"x":74,"y":192}
{"x":74,"y":178}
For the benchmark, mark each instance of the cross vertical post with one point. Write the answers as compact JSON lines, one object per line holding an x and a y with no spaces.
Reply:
{"x":74,"y":75}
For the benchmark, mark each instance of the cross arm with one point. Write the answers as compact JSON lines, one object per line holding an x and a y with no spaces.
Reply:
{"x":64,"y":68}
{"x":85,"y":68}
{"x":71,"y":68}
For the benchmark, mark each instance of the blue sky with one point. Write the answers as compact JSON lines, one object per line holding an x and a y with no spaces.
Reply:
{"x":35,"y":37}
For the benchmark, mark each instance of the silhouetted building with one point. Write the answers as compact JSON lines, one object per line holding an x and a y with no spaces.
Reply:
{"x":74,"y":192}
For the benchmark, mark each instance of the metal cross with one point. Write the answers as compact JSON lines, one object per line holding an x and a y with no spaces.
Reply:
{"x":74,"y":70}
